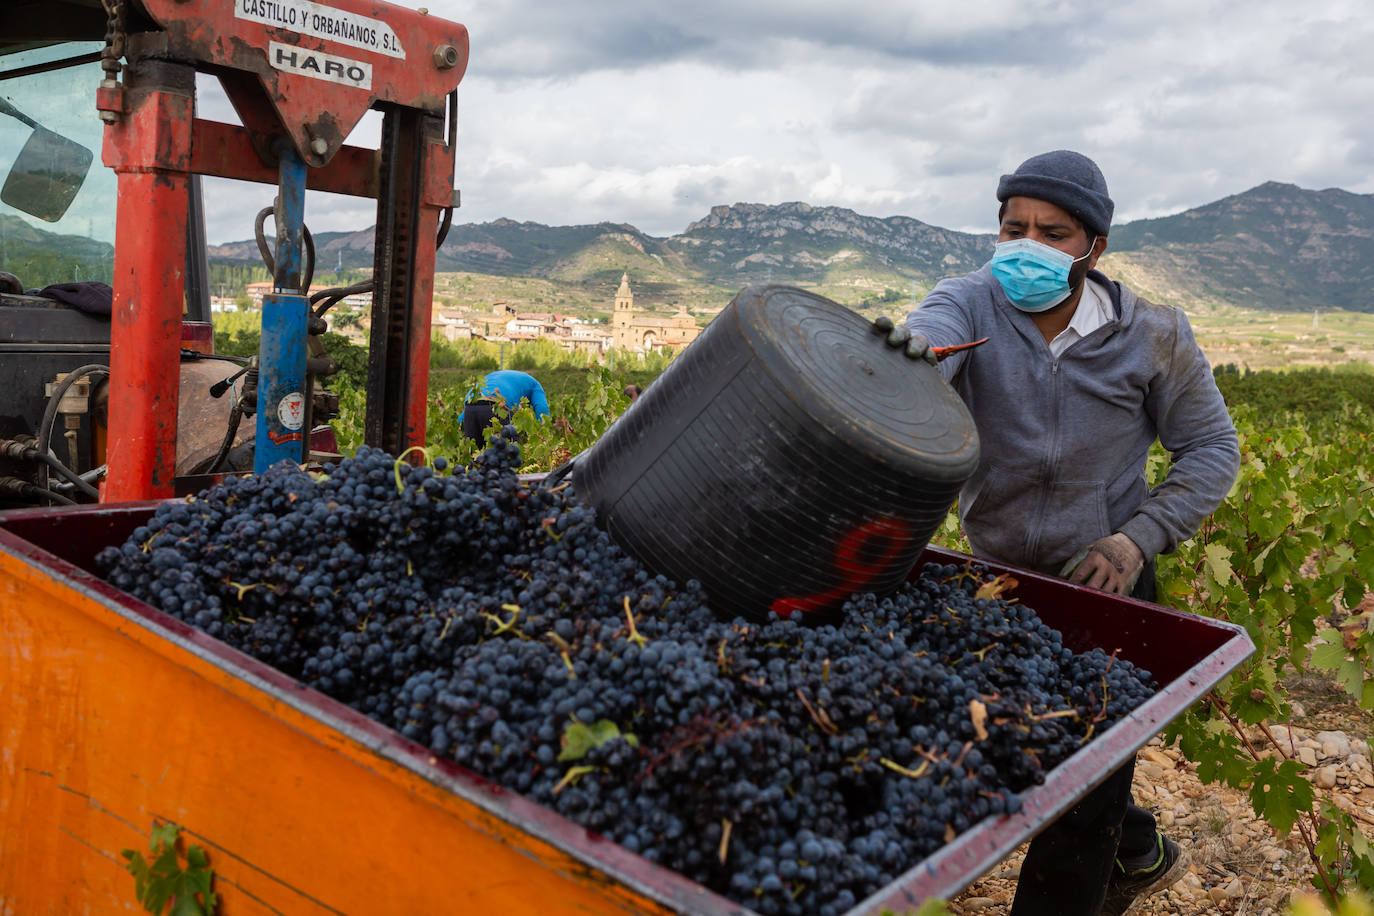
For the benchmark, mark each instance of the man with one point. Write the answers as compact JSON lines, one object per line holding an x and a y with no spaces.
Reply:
{"x":1078,"y":378}
{"x":501,"y":391}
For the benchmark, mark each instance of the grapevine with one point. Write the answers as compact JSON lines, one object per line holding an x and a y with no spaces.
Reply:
{"x":1292,"y":545}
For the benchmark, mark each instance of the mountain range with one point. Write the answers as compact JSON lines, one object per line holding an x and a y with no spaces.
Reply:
{"x":1275,"y":246}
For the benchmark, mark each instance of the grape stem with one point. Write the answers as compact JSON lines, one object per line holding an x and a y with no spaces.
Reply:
{"x":818,"y":715}
{"x":898,"y":768}
{"x":424,"y":453}
{"x":504,"y":625}
{"x":634,"y":636}
{"x":241,"y":588}
{"x":573,"y":774}
{"x":562,"y":645}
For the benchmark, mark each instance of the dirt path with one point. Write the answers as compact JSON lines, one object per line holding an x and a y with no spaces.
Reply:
{"x":1238,"y":867}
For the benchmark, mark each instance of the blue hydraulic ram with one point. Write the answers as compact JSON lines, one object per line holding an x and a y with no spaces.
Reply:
{"x":281,"y":353}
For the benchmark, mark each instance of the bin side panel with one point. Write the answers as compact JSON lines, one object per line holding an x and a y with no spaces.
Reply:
{"x":1165,"y":642}
{"x":107,"y":728}
{"x":78,"y":533}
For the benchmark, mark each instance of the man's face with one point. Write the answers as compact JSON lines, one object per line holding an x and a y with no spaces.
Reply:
{"x":1044,"y":222}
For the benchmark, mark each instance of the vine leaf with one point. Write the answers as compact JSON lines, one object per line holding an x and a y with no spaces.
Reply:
{"x":1218,"y":560}
{"x":1331,"y":654}
{"x":1354,"y":590}
{"x":995,"y":588}
{"x":579,"y":739}
{"x":1256,"y":698}
{"x":1218,"y":754}
{"x":1280,"y":793}
{"x":1340,"y":833}
{"x":164,"y":879}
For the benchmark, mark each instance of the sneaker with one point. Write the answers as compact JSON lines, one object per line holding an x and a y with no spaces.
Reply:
{"x":1136,"y":880}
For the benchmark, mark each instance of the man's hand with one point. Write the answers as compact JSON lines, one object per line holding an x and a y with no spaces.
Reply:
{"x":914,"y":345}
{"x":1112,"y":564}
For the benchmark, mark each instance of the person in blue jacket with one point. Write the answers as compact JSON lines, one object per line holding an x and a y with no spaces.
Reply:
{"x":500,"y":395}
{"x":1078,"y":379}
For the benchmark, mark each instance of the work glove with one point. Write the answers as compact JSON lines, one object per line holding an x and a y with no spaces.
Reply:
{"x":1112,"y":563}
{"x":914,"y":345}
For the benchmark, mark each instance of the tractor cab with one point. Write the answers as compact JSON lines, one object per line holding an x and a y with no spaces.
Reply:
{"x":57,"y":253}
{"x":109,"y":387}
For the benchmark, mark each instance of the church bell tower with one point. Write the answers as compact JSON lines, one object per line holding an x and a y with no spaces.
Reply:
{"x":624,"y":312}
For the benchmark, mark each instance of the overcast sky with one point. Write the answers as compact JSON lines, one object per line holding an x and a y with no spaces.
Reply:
{"x":651,"y":113}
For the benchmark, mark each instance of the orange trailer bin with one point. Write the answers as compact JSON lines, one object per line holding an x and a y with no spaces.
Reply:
{"x":115,"y":717}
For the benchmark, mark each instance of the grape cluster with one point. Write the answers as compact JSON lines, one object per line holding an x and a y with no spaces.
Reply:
{"x":796,"y":768}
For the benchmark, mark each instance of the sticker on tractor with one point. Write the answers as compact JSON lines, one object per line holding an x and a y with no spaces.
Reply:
{"x":291,"y":410}
{"x":323,"y":22}
{"x":320,"y":65}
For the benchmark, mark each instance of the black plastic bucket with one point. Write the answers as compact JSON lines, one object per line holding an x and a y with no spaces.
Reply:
{"x":786,"y":459}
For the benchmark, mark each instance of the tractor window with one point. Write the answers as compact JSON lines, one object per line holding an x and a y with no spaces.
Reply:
{"x":57,"y":201}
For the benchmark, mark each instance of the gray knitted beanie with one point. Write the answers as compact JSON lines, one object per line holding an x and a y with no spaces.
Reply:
{"x":1066,"y":179}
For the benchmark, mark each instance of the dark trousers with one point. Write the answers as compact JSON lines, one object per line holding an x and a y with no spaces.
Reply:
{"x":1068,"y":865}
{"x":477,"y":417}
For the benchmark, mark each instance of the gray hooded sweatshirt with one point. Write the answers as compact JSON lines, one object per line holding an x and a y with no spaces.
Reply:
{"x":1064,"y":441}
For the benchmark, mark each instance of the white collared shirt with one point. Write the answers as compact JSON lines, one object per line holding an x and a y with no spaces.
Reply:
{"x":1094,"y":310}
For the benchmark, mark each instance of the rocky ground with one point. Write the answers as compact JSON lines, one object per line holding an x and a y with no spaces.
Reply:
{"x":1238,"y":867}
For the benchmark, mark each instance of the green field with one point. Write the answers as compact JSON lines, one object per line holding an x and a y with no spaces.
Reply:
{"x":1278,"y":340}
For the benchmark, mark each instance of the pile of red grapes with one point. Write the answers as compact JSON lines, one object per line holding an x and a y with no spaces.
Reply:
{"x":793,"y":767}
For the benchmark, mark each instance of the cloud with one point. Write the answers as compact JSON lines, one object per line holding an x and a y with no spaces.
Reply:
{"x":546,"y":40}
{"x":651,"y":114}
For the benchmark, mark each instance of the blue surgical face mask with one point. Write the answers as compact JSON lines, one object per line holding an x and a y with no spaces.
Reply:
{"x":1034,"y":276}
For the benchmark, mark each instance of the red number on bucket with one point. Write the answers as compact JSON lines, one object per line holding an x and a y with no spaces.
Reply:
{"x":881,"y":540}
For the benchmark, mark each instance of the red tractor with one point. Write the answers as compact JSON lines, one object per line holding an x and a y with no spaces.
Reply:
{"x":118,"y":395}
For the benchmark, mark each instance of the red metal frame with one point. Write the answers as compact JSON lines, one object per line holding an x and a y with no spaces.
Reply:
{"x":406,"y":66}
{"x":422,"y":302}
{"x":154,"y":143}
{"x":149,"y":150}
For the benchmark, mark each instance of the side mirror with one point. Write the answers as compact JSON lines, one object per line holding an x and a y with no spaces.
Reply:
{"x":46,"y":175}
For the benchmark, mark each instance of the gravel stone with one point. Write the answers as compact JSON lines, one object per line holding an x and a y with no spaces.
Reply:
{"x":1235,"y":855}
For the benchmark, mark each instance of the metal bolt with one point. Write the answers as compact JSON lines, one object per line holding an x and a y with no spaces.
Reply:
{"x":318,"y":146}
{"x":445,"y":57}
